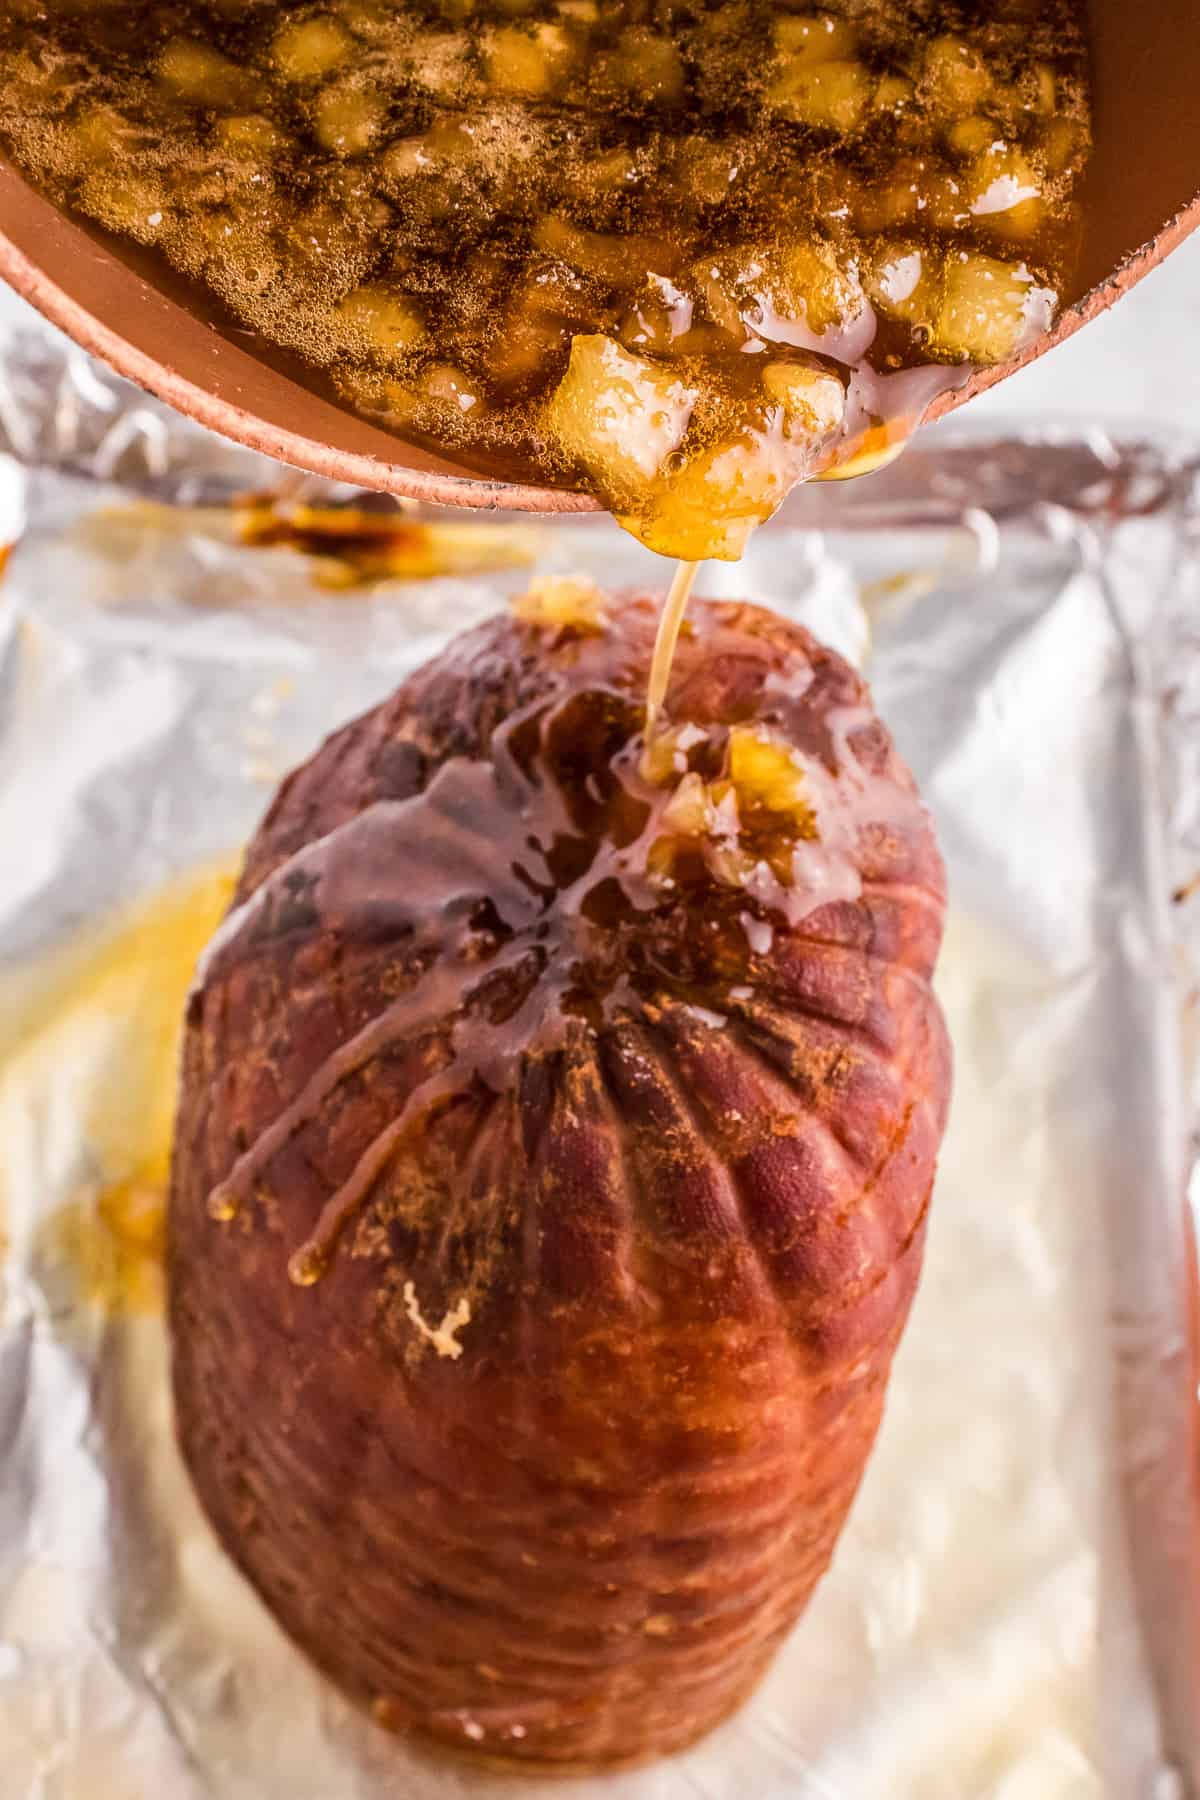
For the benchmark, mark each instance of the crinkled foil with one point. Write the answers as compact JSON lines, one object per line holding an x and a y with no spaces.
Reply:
{"x":1013,"y":1611}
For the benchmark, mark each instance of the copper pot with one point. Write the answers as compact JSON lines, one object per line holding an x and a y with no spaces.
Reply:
{"x":117,"y":303}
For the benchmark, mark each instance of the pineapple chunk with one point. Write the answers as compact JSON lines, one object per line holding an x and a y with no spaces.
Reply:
{"x":442,"y":381}
{"x":1062,"y":141}
{"x":408,"y":157}
{"x":373,"y":18}
{"x":665,"y":756}
{"x":32,"y":82}
{"x":549,"y":293}
{"x":767,"y":776}
{"x":957,"y":81}
{"x":803,"y":282}
{"x":988,"y":309}
{"x":893,"y":198}
{"x":893,"y":93}
{"x":437,"y":62}
{"x":707,"y":170}
{"x":531,"y":62}
{"x":829,"y":96}
{"x":348,"y":119}
{"x":659,"y":319}
{"x":1004,"y":193}
{"x":521,"y":351}
{"x":816,"y":283}
{"x":562,"y":600}
{"x":381,"y":396}
{"x":815,"y":38}
{"x":1046,"y":94}
{"x":812,"y":399}
{"x":970,"y":136}
{"x":709,"y":507}
{"x":614,"y":171}
{"x":905,"y":282}
{"x":379,"y":323}
{"x":690,"y":811}
{"x":103,"y":135}
{"x":131,"y":203}
{"x":618,"y":415}
{"x":309,"y":48}
{"x":619,"y":262}
{"x":723,"y":287}
{"x":251,"y":135}
{"x":808,"y":282}
{"x":645,"y":65}
{"x":202,"y":76}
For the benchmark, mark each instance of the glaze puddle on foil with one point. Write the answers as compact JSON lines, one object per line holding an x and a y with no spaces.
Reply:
{"x":106,"y":1015}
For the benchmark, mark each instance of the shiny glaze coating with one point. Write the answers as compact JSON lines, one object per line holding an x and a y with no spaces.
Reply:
{"x":601,"y":1182}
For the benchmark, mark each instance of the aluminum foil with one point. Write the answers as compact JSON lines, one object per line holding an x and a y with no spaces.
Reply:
{"x":1013,"y":1612}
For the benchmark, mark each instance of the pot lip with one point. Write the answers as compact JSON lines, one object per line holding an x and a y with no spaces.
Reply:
{"x":442,"y":485}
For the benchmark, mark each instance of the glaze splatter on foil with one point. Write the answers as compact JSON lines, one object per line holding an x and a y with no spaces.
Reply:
{"x":1013,"y":1611}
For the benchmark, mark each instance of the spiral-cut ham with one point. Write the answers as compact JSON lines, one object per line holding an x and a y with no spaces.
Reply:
{"x":557,"y":1126}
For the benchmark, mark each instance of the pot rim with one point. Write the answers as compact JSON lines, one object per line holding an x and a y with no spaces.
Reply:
{"x":409,"y":472}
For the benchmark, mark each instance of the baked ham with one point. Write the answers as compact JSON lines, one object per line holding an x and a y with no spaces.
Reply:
{"x":557,"y":1125}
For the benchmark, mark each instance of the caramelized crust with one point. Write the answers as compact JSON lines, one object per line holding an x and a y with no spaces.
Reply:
{"x":549,"y":1188}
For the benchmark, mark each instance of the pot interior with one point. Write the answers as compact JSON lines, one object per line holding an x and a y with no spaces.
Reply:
{"x":121,"y":305}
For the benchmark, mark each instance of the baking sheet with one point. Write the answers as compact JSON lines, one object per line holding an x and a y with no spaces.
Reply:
{"x":1013,"y":1610}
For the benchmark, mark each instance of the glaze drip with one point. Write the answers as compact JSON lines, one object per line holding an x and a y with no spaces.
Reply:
{"x":670,"y":624}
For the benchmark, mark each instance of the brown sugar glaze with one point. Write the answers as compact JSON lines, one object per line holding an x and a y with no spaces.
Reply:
{"x":122,"y":984}
{"x":681,"y":255}
{"x":593,"y":1099}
